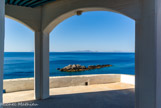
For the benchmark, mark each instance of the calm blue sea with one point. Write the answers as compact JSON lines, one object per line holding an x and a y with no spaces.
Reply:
{"x":21,"y":64}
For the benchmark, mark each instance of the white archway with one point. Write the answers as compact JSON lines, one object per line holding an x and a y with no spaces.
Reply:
{"x":10,"y":17}
{"x":69,"y":14}
{"x":148,"y":41}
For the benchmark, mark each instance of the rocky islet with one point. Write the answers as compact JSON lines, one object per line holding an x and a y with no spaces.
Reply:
{"x":78,"y":68}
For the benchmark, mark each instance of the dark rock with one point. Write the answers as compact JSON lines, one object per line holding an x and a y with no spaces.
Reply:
{"x":77,"y":68}
{"x":83,"y":67}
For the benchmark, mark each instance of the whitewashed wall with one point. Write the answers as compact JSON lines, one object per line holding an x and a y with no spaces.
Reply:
{"x":14,"y":85}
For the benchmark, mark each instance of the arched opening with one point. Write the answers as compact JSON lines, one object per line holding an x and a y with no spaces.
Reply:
{"x":55,"y":20}
{"x":19,"y":21}
{"x":107,"y":38}
{"x":147,"y":64}
{"x":18,"y":58}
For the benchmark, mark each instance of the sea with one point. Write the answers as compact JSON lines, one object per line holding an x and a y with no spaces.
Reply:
{"x":21,"y":64}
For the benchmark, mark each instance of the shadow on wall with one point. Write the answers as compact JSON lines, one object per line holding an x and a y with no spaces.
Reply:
{"x":104,"y":99}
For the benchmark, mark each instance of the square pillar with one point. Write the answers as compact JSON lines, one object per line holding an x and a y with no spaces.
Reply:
{"x":41,"y":71}
{"x":148,"y":55}
{"x":2,"y":33}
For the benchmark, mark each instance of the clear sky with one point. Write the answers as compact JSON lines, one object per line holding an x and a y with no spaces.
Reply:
{"x":95,"y":31}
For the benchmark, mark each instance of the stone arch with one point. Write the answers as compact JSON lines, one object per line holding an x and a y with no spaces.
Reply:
{"x":30,"y":17}
{"x":20,"y":21}
{"x":50,"y":21}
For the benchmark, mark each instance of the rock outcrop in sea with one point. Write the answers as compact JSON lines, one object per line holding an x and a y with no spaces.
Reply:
{"x":78,"y":68}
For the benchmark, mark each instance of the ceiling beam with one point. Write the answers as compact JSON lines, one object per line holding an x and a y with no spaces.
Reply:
{"x":23,"y":2}
{"x":28,"y":3}
{"x":11,"y":1}
{"x":41,"y":3}
{"x":17,"y":2}
{"x":31,"y":2}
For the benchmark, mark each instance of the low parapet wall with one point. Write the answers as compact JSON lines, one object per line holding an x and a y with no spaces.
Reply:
{"x":14,"y":85}
{"x":129,"y":79}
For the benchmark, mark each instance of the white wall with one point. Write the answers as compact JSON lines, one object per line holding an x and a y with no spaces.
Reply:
{"x":13,"y":85}
{"x":129,"y":79}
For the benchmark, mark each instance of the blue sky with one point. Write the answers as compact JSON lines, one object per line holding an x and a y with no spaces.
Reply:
{"x":96,"y":31}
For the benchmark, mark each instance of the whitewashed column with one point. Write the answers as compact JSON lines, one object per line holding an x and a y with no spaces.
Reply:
{"x":148,"y":55}
{"x":2,"y":33}
{"x":41,"y":65}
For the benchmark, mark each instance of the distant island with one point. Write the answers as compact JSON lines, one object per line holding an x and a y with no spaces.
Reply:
{"x":83,"y":51}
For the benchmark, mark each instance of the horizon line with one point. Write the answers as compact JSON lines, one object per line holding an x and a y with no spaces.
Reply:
{"x":73,"y":51}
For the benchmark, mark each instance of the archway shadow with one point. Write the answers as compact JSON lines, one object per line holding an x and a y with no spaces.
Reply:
{"x":102,"y":99}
